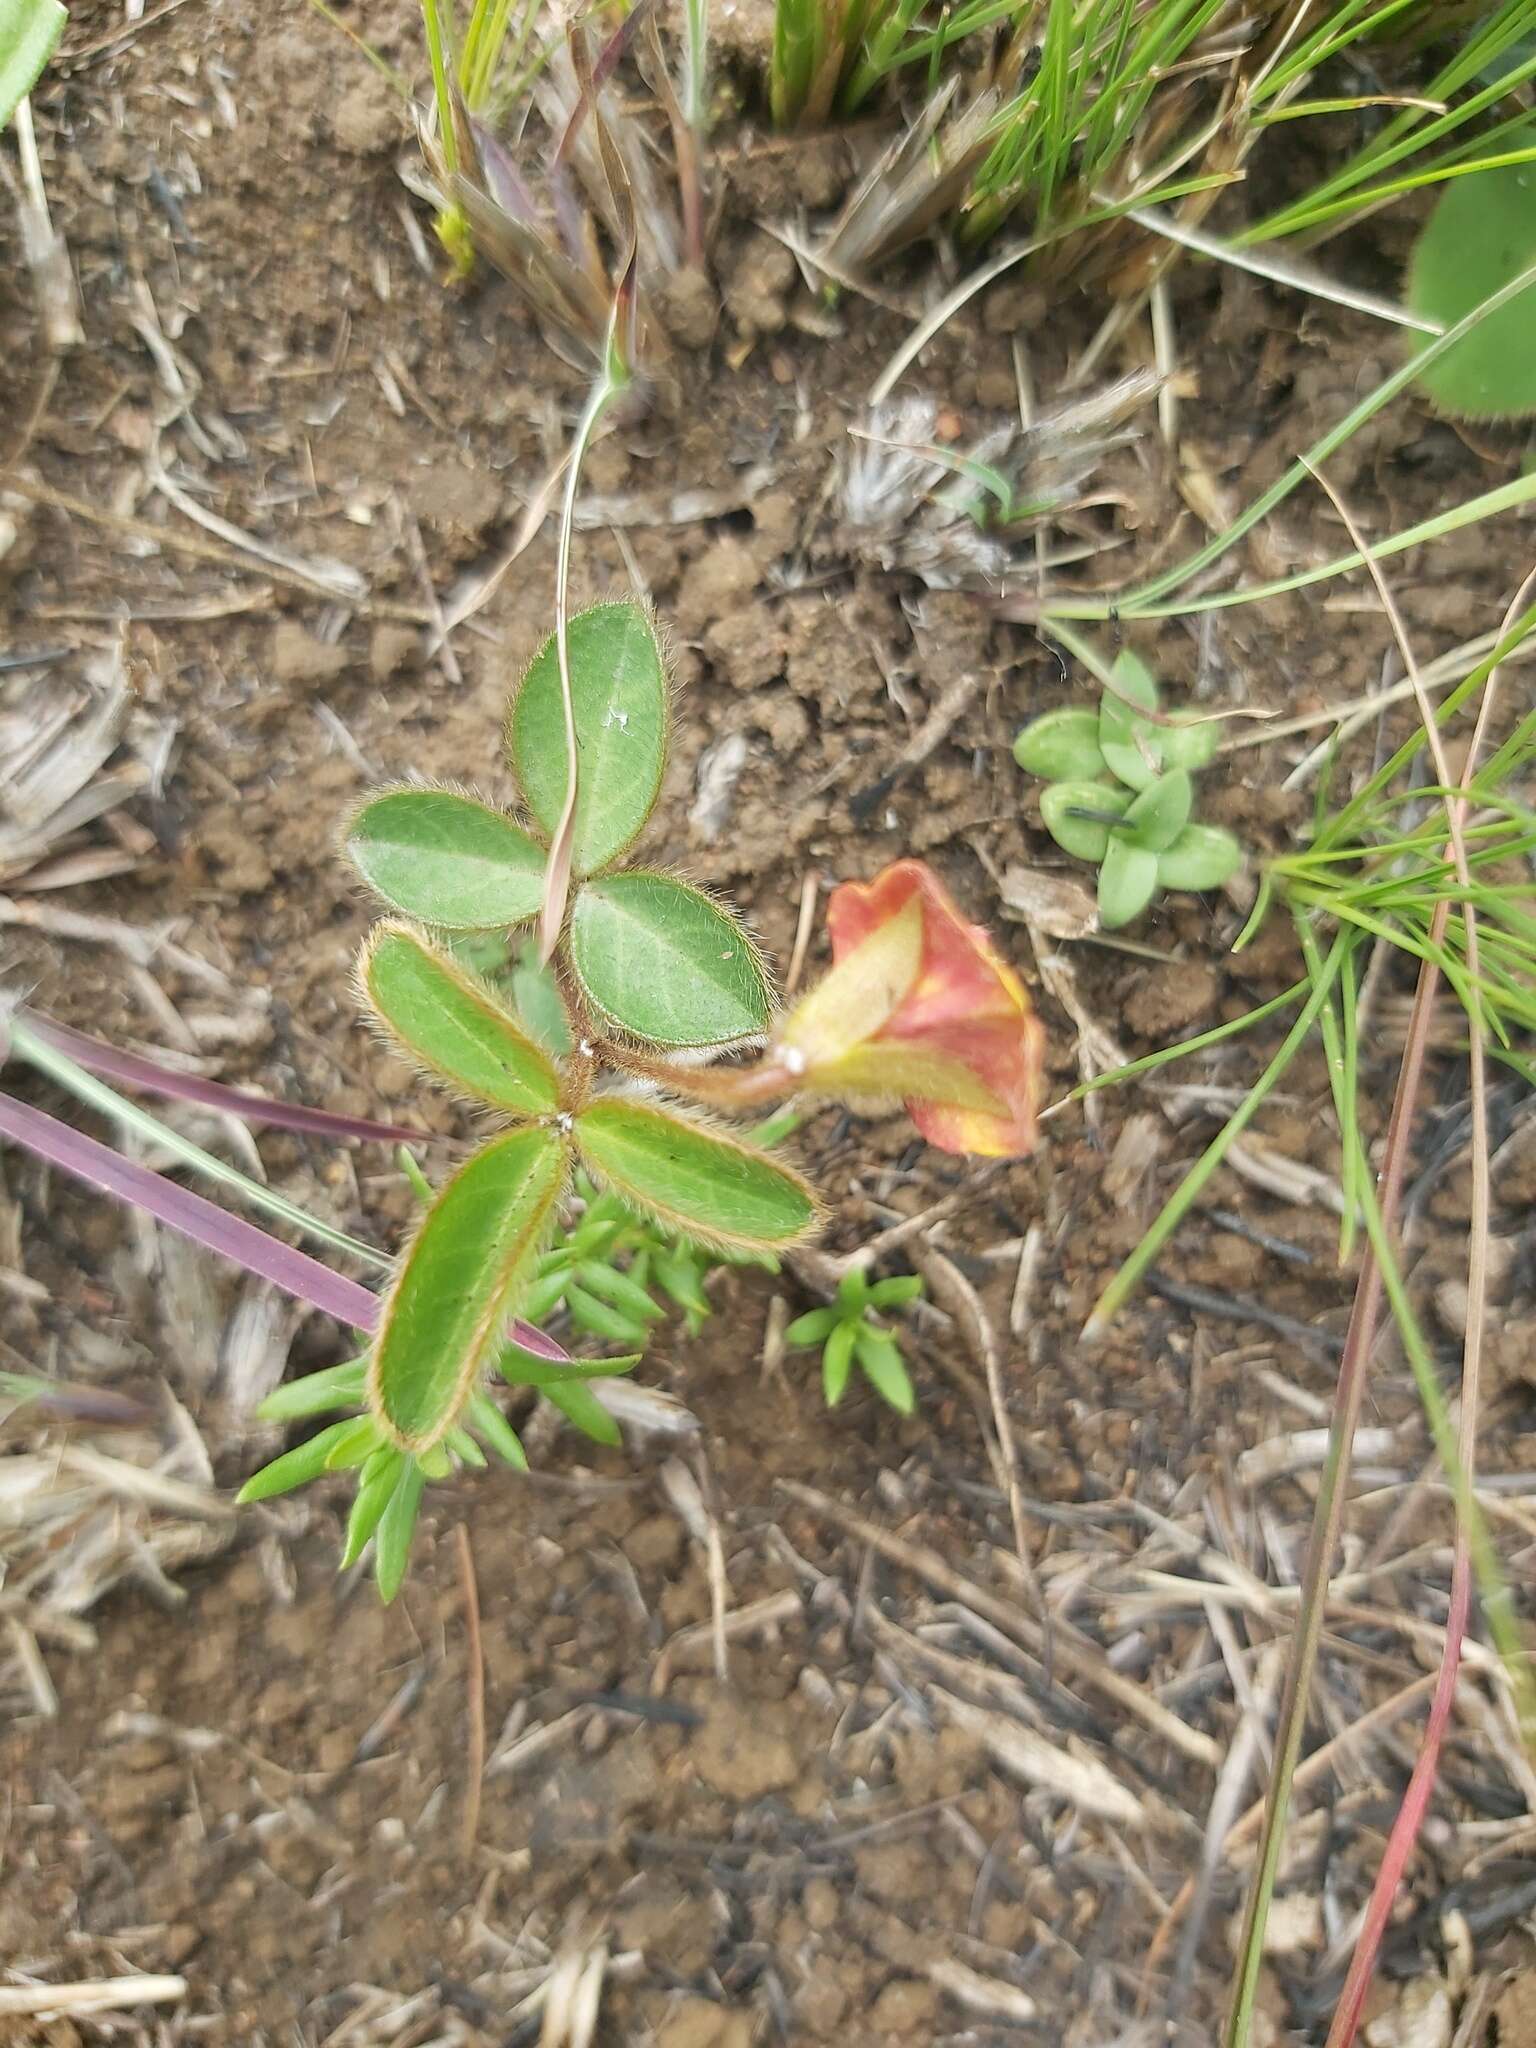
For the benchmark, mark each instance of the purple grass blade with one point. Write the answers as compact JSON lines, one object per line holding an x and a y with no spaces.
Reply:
{"x":193,"y":1215}
{"x":295,"y":1272}
{"x":135,"y":1071}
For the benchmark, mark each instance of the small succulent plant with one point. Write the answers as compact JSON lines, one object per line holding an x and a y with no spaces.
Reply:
{"x":1122,"y":794}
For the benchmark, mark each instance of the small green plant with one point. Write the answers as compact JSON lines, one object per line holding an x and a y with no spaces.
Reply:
{"x":648,"y":963}
{"x":849,"y":1330}
{"x":1121,"y":793}
{"x":1481,"y":235}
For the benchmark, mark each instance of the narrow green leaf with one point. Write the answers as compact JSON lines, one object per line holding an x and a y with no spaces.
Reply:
{"x":619,"y":695}
{"x":297,"y":1467}
{"x":1161,"y":812}
{"x":1202,"y":857}
{"x":896,"y":1293}
{"x":713,"y":1187}
{"x":814,"y":1327}
{"x":338,"y":1386}
{"x":441,"y":1015}
{"x":598,"y":1319}
{"x":853,"y":1291}
{"x":1061,"y":746}
{"x":546,"y":1293}
{"x":656,"y":958}
{"x":396,"y":1529}
{"x":355,"y":1446}
{"x":519,"y":1368}
{"x":1077,"y":815}
{"x":882,"y":1364}
{"x":621,"y":1289}
{"x":582,"y":1409}
{"x":837,"y":1362}
{"x":681,"y":1279}
{"x":465,"y":1449}
{"x":29,"y":29}
{"x":1127,"y":883}
{"x":445,"y":858}
{"x":472,"y":1257}
{"x":376,"y":1483}
{"x":487,"y":1420}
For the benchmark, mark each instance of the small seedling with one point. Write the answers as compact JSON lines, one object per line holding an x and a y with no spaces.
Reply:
{"x":1480,"y":237}
{"x":1121,"y":794}
{"x":849,"y":1331}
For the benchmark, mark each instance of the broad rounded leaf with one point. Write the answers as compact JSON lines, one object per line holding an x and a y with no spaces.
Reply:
{"x":1190,"y":743}
{"x":453,"y":1024}
{"x":1202,"y":857}
{"x":710,"y":1187}
{"x":619,"y":694}
{"x":1132,"y":746}
{"x":1127,"y":883}
{"x":1063,"y":746}
{"x":1077,"y":816}
{"x":1481,"y":235}
{"x":1161,"y":812}
{"x":476,"y":1250}
{"x":659,"y":960}
{"x":447,"y":859}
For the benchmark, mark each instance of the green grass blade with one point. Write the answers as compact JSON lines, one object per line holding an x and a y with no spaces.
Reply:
{"x":254,"y":1193}
{"x":1179,"y":1203}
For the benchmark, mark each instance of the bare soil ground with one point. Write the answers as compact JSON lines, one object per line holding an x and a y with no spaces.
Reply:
{"x":897,"y":1813}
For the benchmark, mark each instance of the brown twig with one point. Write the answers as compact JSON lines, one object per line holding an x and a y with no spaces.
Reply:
{"x":1072,"y":1651}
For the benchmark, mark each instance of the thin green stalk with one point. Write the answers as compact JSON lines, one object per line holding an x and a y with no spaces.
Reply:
{"x":1145,"y":602}
{"x":696,"y":68}
{"x":1179,"y":1203}
{"x":1329,"y":1507}
{"x":97,"y":1095}
{"x":614,"y":379}
{"x":1503,"y":498}
{"x":437,"y":52}
{"x":1149,"y":1062}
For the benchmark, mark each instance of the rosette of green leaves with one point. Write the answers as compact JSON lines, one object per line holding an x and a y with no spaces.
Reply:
{"x":653,"y":958}
{"x":1121,"y":794}
{"x":849,"y":1331}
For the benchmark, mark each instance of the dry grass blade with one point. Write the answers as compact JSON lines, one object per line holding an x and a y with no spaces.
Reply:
{"x":77,"y":1521}
{"x":1082,"y":1781}
{"x":73,"y":752}
{"x":84,"y":2000}
{"x":918,"y":181}
{"x":1071,"y":1651}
